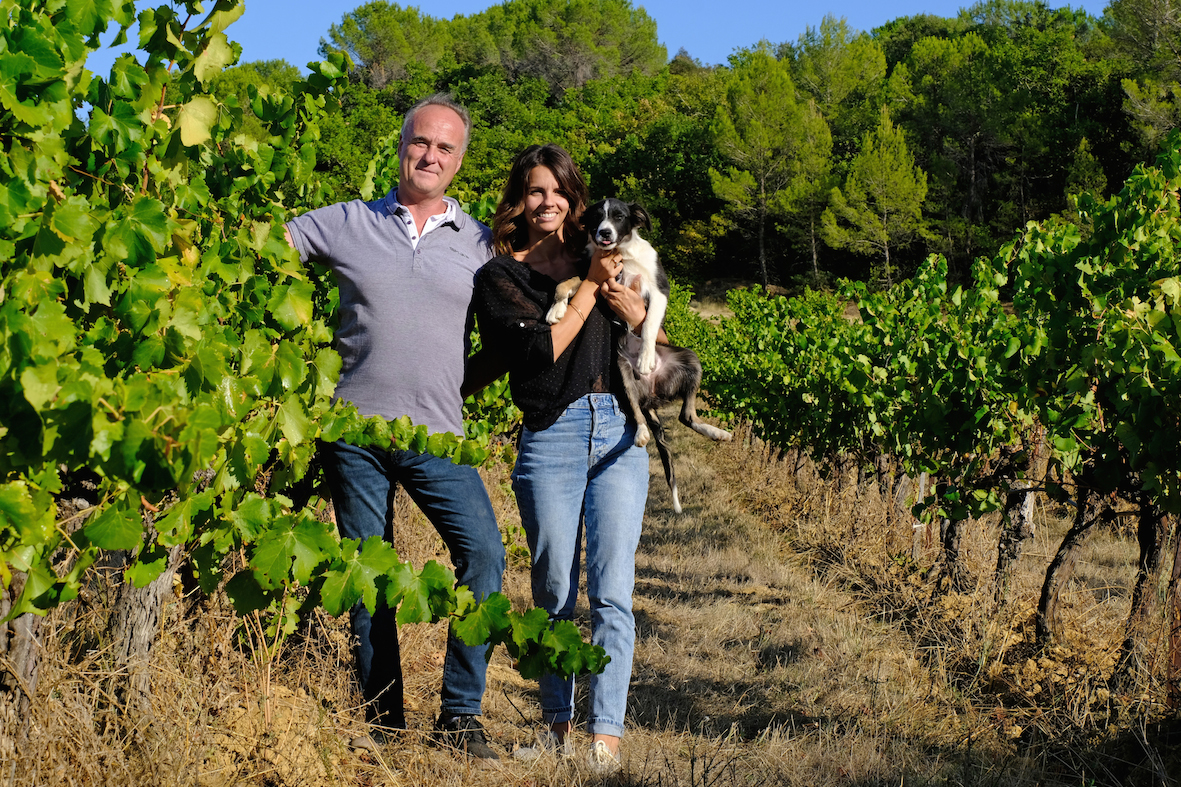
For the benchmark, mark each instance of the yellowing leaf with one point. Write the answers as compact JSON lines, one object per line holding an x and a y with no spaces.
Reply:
{"x":196,"y":118}
{"x":217,"y":55}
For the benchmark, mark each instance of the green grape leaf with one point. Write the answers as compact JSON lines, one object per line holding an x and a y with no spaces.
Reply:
{"x":176,"y":526}
{"x":72,"y":220}
{"x":207,"y":564}
{"x":286,"y":552}
{"x":149,"y":564}
{"x":115,"y":528}
{"x":491,"y":615}
{"x":246,"y":594}
{"x":471,"y":453}
{"x":39,"y":384}
{"x":21,"y":514}
{"x":293,"y":420}
{"x":224,"y":13}
{"x":353,"y":576}
{"x":422,"y":596}
{"x":291,"y":304}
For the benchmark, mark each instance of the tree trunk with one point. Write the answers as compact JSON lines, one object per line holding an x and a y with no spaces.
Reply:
{"x":1150,"y":533}
{"x":1016,"y":529}
{"x":1049,"y":623}
{"x":951,"y":533}
{"x":763,"y":236}
{"x":815,"y":253}
{"x":1174,"y":672}
{"x":134,"y":627}
{"x":884,"y":475}
{"x":919,"y":530}
{"x":20,"y":660}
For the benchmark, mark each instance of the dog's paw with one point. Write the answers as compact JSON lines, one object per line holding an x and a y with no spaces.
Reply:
{"x":647,"y":362}
{"x":556,"y":312}
{"x":643,"y":435}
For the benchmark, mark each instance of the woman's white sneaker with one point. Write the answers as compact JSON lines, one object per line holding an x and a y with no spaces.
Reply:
{"x":601,"y":761}
{"x":547,"y":745}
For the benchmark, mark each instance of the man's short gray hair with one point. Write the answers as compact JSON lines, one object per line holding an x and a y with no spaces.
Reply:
{"x":439,"y":100}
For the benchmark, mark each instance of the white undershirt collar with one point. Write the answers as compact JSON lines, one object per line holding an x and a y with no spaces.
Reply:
{"x":402,"y":213}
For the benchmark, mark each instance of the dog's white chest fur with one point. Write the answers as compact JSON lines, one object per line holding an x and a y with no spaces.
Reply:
{"x":639,"y":262}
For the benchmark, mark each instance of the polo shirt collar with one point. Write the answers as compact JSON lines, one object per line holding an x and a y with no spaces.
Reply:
{"x":453,"y":216}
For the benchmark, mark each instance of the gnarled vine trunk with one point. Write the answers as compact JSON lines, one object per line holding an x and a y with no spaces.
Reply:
{"x":955,"y":574}
{"x":1174,"y":672}
{"x":20,"y":658}
{"x":133,"y":628}
{"x":1016,"y":528}
{"x":1150,"y":533}
{"x":1061,"y":569}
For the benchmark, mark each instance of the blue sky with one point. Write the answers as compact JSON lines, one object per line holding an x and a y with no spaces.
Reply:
{"x":708,"y":29}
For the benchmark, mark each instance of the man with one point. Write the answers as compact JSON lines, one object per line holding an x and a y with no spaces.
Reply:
{"x":405,"y":266}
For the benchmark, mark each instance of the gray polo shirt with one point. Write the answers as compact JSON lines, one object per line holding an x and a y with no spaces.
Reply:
{"x":405,"y":312}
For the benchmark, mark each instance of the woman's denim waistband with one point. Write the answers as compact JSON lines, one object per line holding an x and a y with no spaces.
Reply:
{"x":595,"y":401}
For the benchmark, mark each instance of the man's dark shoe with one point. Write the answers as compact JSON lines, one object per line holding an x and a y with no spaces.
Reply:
{"x":466,"y":734}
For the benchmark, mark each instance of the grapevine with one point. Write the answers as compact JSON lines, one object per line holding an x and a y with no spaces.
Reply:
{"x":163,"y":342}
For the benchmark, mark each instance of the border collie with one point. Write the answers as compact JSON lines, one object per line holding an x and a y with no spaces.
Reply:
{"x":653,"y":374}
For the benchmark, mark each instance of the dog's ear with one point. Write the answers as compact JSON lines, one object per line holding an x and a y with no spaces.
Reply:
{"x":639,"y":216}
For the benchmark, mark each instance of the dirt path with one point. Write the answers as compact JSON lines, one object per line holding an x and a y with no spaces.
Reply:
{"x":748,"y":669}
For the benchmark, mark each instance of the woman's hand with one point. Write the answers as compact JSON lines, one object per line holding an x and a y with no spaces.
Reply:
{"x":604,"y":266}
{"x":624,"y":301}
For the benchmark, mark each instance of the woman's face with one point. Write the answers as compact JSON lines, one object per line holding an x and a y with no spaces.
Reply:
{"x":546,"y":204}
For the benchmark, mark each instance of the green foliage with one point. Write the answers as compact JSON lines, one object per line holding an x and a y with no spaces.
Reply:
{"x":1148,"y":32}
{"x":160,"y":336}
{"x":945,"y":379}
{"x":1100,"y":330}
{"x":561,"y":44}
{"x":880,"y":208}
{"x":757,"y":132}
{"x":998,"y":102}
{"x":386,"y":40}
{"x":242,"y":82}
{"x":683,"y":327}
{"x":844,"y":72}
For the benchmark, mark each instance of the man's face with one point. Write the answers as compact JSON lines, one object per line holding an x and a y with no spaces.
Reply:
{"x":430,"y":154}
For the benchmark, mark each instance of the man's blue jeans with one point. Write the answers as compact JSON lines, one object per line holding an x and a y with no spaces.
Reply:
{"x":585,"y":471}
{"x":363,"y":482}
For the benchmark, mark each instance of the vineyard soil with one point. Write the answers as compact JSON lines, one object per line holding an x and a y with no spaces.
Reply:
{"x":785,"y":637}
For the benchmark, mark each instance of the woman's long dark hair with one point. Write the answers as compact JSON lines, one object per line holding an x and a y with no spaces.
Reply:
{"x":509,"y":229}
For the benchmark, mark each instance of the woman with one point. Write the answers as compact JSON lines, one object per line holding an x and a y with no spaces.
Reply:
{"x":578,"y":467}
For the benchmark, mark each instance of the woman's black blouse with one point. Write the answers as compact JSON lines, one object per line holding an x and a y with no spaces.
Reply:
{"x":511,"y":302}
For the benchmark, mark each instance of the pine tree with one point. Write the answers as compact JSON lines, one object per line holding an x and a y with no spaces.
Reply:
{"x":880,"y":208}
{"x":756,"y":129}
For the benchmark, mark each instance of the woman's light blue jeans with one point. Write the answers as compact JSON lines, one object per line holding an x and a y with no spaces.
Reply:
{"x":586,"y":472}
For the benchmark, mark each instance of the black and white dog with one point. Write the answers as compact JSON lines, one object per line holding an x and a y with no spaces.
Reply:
{"x":653,"y":374}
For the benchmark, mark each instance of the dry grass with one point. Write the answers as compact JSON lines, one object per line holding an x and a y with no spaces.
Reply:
{"x":784,"y":637}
